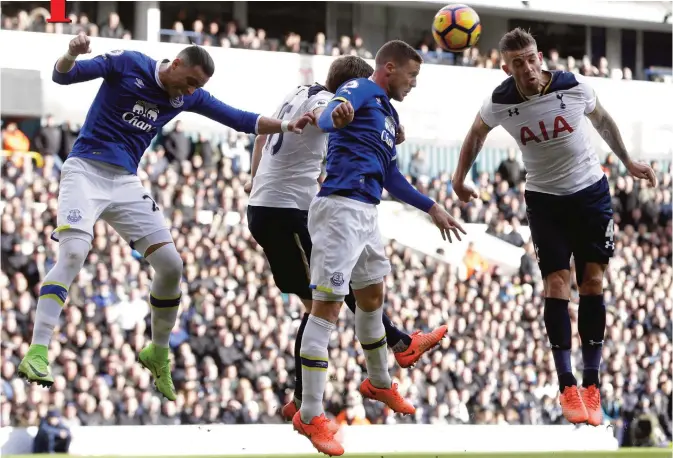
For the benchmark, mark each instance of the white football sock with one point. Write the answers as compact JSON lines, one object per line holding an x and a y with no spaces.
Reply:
{"x":314,"y":363}
{"x":72,"y":253}
{"x":165,"y":292}
{"x":372,"y":336}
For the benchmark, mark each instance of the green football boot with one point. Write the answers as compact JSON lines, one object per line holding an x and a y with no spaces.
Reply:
{"x":155,"y":359}
{"x":34,"y":367}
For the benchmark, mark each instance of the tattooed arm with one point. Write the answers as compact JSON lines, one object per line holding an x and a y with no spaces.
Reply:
{"x":608,"y":130}
{"x":472,"y":145}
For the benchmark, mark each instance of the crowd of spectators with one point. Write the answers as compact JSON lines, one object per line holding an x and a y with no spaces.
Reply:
{"x":233,"y":343}
{"x":36,"y":21}
{"x":230,"y":35}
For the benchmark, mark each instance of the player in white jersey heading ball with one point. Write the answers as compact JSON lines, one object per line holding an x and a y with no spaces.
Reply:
{"x":567,"y":196}
{"x":286,"y":170}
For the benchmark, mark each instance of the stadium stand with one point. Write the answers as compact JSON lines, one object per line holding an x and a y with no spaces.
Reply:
{"x":232,"y":345}
{"x":231,"y":35}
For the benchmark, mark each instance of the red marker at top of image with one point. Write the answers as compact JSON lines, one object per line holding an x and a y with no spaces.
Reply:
{"x":57,"y":12}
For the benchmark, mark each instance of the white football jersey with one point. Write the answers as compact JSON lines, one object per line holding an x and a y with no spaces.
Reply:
{"x":552,"y":131}
{"x":287,"y":176}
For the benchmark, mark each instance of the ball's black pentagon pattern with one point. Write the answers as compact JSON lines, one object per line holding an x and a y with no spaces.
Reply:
{"x":453,"y":9}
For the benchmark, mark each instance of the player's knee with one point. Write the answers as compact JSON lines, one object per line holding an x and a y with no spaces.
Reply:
{"x":166,"y":262}
{"x":592,"y":284}
{"x":557,"y":285}
{"x":327,"y":310}
{"x":73,"y":252}
{"x":369,"y":297}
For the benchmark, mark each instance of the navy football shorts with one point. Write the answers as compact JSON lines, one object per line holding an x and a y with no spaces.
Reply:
{"x":579,"y":224}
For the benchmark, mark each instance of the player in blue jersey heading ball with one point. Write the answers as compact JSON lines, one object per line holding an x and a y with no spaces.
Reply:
{"x":347,"y":246}
{"x":137,"y":98}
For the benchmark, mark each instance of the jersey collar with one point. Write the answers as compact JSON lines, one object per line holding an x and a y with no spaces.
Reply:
{"x":156,"y":72}
{"x":543,"y":92}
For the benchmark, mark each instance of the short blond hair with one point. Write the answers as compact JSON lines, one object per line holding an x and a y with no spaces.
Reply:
{"x":516,"y":40}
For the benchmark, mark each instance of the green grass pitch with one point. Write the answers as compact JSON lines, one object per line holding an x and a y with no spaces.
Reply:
{"x":622,"y":453}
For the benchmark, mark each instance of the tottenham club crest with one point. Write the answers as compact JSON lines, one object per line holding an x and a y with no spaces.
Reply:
{"x":337,"y":279}
{"x":74,"y":216}
{"x":177,"y":102}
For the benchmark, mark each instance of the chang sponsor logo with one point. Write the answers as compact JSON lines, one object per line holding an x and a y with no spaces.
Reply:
{"x":388,"y":135}
{"x":142,"y":115}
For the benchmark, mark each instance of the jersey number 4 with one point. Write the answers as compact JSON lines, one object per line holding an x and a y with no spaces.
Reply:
{"x":276,"y":140}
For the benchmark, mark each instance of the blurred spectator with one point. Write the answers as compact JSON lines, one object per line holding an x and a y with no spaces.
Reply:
{"x":113,"y":29}
{"x":14,"y":140}
{"x":178,"y":146}
{"x":178,"y":35}
{"x":53,"y":436}
{"x":49,"y":139}
{"x":418,"y":168}
{"x":198,"y":35}
{"x":510,"y":169}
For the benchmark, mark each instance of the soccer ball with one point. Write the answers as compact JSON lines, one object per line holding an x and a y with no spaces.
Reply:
{"x":456,"y":28}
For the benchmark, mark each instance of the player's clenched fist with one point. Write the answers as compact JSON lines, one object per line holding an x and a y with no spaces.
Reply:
{"x":445,"y":223}
{"x":298,"y":125}
{"x":81,"y":44}
{"x":343,"y":115}
{"x":464,"y":191}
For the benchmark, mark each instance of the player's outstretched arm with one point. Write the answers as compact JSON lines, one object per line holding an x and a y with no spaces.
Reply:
{"x":245,"y":121}
{"x":398,"y":186}
{"x":608,"y":130}
{"x":68,"y":71}
{"x":472,"y":145}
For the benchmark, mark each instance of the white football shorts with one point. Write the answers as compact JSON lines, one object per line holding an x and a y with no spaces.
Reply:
{"x":347,"y":246}
{"x":92,"y":190}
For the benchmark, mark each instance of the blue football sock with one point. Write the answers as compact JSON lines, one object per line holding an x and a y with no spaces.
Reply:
{"x":591,"y":324}
{"x":557,"y":323}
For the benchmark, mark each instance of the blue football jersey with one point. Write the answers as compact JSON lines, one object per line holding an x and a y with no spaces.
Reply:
{"x":132,"y":106}
{"x":359,"y":155}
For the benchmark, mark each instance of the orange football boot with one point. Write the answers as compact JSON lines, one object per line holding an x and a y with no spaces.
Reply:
{"x":572,"y":405}
{"x":321,"y":434}
{"x":420,"y":344}
{"x":591,"y":397}
{"x":389,"y":396}
{"x":289,"y":410}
